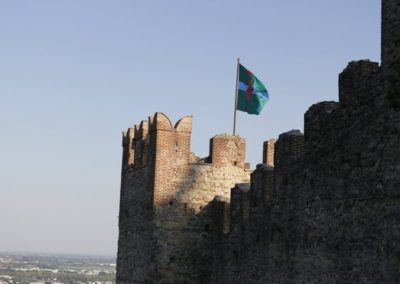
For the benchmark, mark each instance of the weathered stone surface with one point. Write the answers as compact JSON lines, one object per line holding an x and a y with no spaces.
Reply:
{"x":323,"y":208}
{"x":390,"y":51}
{"x":334,"y":212}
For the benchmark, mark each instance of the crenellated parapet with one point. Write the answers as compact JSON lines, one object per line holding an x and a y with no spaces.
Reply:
{"x":288,"y":149}
{"x":318,"y":120}
{"x":140,"y":142}
{"x":356,"y":83}
{"x":128,"y":146}
{"x":227,"y":149}
{"x":157,"y":139}
{"x":269,"y":152}
{"x":322,"y":208}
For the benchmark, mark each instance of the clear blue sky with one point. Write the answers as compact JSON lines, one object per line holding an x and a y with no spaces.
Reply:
{"x":74,"y":74}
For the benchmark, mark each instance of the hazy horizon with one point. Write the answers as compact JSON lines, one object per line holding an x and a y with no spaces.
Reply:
{"x":75,"y":74}
{"x":3,"y":252}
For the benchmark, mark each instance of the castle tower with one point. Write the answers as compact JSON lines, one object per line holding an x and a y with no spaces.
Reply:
{"x":152,"y":153}
{"x":167,"y":221}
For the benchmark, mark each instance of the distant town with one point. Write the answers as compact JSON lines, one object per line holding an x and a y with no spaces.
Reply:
{"x":28,"y":268}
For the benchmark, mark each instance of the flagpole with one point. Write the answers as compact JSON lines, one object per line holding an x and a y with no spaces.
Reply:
{"x":236,"y":97}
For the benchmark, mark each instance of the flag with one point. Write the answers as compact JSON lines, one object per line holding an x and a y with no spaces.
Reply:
{"x":252,"y":94}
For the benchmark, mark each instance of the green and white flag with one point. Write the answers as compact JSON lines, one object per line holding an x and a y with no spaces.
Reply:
{"x":252,"y":94}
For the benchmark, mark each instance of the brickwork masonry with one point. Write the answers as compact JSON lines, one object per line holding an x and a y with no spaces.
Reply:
{"x":167,"y":194}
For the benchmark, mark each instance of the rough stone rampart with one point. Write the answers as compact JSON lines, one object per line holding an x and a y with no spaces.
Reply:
{"x":333,"y":216}
{"x":323,"y":208}
{"x":390,"y":52}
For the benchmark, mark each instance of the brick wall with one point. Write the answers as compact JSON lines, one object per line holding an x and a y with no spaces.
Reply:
{"x":268,"y":152}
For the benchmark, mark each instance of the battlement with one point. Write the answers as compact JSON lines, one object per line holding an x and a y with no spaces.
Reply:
{"x":322,"y":208}
{"x":356,"y":82}
{"x":288,"y":148}
{"x":227,"y":149}
{"x":318,"y":118}
{"x":269,"y":152}
{"x":128,"y":145}
{"x":140,"y":142}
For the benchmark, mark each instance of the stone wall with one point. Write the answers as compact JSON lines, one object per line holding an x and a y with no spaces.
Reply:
{"x":390,"y":51}
{"x":323,"y":208}
{"x":334,"y":212}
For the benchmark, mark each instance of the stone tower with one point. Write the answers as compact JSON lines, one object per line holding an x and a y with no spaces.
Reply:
{"x":167,"y":207}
